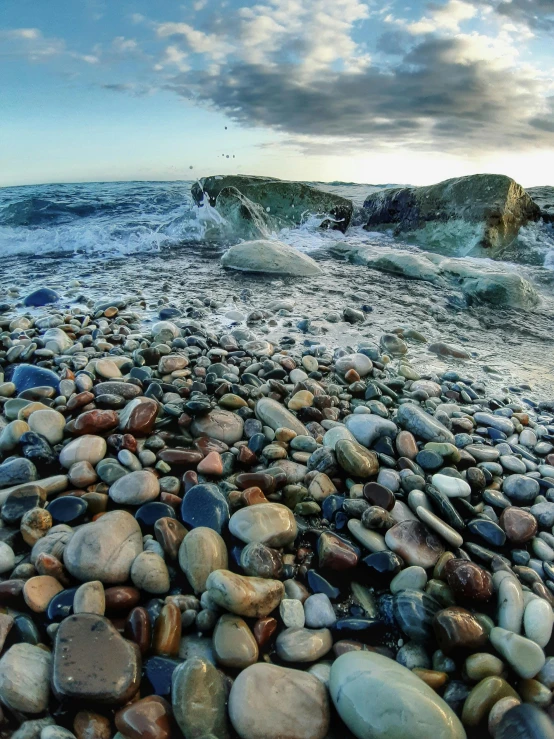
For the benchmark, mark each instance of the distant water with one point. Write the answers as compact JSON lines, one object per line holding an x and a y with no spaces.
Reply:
{"x":105,"y":220}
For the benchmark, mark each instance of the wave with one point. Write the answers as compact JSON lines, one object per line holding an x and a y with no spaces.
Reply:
{"x":106,"y":220}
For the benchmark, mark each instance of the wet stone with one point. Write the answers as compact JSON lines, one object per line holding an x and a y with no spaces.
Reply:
{"x":412,"y":541}
{"x":198,"y":697}
{"x":148,"y":718}
{"x":455,"y":628}
{"x":205,"y":505}
{"x":414,"y":612}
{"x":468,"y":580}
{"x":92,"y":662}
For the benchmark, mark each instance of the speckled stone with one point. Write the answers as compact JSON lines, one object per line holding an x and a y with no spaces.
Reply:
{"x":92,"y":662}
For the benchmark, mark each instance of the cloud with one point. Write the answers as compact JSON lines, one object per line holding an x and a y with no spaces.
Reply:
{"x":536,"y":14}
{"x":444,"y":17}
{"x":29,"y":43}
{"x":439,"y":95}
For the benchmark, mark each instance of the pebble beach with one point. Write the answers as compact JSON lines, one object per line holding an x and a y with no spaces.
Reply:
{"x":207,"y":532}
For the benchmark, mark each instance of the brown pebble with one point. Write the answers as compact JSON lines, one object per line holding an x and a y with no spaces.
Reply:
{"x":147,"y":718}
{"x":433,"y":678}
{"x":456,"y":629}
{"x":89,"y":725}
{"x":138,"y":629}
{"x":264,"y":628}
{"x":47,"y":564}
{"x":378,"y":495}
{"x":121,"y":598}
{"x":468,"y":580}
{"x":520,"y":526}
{"x":167,"y":631}
{"x":34,"y":525}
{"x":39,"y":591}
{"x":169,"y":534}
{"x":253,"y":496}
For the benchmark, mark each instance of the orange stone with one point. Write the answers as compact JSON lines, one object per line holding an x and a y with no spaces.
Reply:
{"x":38,"y":592}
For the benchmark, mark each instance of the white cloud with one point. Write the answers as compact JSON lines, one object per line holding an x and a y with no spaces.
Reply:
{"x":198,"y":42}
{"x":448,"y":18}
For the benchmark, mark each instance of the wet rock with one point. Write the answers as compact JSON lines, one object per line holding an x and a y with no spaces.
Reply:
{"x":233,"y":642}
{"x":303,"y":645}
{"x":198,"y":697}
{"x":271,"y":257}
{"x":271,"y":524}
{"x":268,"y":702}
{"x":524,"y":655}
{"x":105,"y":549}
{"x":421,"y":424}
{"x":219,"y":424}
{"x":25,"y":678}
{"x":148,"y":718}
{"x":135,"y":488}
{"x":414,"y":543}
{"x":202,"y":551}
{"x":273,"y":414}
{"x":92,"y":662}
{"x":403,"y":705}
{"x":245,"y":596}
{"x":205,"y":505}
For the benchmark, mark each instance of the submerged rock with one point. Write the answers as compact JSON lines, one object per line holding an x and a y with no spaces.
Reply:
{"x":272,"y":257}
{"x":477,"y":215}
{"x":286,"y":202}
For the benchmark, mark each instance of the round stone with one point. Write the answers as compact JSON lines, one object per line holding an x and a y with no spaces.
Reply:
{"x":403,"y":705}
{"x":303,"y":645}
{"x":149,"y":573}
{"x":104,"y":549}
{"x":233,"y":642}
{"x":270,"y":702}
{"x":135,"y":488}
{"x":219,"y":424}
{"x":412,"y":541}
{"x":84,"y":449}
{"x":25,"y":678}
{"x":379,"y":495}
{"x":39,"y":591}
{"x":199,"y":696}
{"x":271,"y":524}
{"x":202,"y":552}
{"x":49,"y":424}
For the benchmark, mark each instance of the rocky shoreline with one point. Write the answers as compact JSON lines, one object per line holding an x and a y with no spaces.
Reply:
{"x":212,"y":528}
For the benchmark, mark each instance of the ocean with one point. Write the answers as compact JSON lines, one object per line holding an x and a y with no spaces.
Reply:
{"x":149,"y":241}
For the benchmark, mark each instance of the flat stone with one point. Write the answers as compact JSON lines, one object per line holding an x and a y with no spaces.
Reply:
{"x":92,"y":662}
{"x":538,"y":620}
{"x":90,"y":598}
{"x":104,"y":549}
{"x":41,"y":296}
{"x":272,"y":524}
{"x":202,"y":551}
{"x":17,"y":471}
{"x":138,"y":417}
{"x":245,"y":596}
{"x":219,"y":424}
{"x":521,"y":489}
{"x":411,"y":578}
{"x":452,"y":487}
{"x":135,"y":488}
{"x":401,"y":703}
{"x":198,"y":697}
{"x":25,"y":678}
{"x":483,"y":697}
{"x":271,"y":257}
{"x":273,"y":414}
{"x":271,"y":702}
{"x":26,"y":376}
{"x":319,"y":612}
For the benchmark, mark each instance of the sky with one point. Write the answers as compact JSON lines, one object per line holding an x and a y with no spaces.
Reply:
{"x":373,"y":91}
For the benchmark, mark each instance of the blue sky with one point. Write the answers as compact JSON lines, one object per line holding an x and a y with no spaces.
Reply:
{"x":353,"y":90}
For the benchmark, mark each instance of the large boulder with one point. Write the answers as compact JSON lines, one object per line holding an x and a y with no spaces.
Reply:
{"x":478,"y":215}
{"x":286,"y":203}
{"x":272,"y":257}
